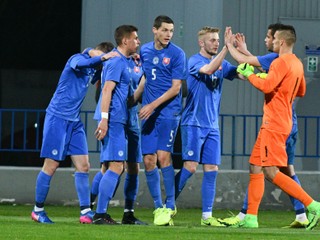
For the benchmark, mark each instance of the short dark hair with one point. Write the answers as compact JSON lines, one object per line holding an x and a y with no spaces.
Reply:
{"x":160,"y":19}
{"x":274,"y":27}
{"x":122,"y":32}
{"x":105,"y":47}
{"x":288,"y":33}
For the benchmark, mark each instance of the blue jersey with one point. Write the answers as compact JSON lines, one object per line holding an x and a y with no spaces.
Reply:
{"x":118,"y":70}
{"x":73,"y":86}
{"x":265,"y":62}
{"x":160,"y":67}
{"x":137,"y":72}
{"x":204,"y":92}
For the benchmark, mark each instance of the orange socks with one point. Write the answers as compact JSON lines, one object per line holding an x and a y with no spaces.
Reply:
{"x":255,"y":192}
{"x":289,"y":186}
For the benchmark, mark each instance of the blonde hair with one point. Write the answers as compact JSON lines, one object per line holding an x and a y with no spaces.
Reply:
{"x":203,"y":31}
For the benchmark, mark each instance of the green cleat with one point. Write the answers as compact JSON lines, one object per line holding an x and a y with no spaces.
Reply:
{"x":163,"y":217}
{"x":174,"y":212}
{"x":249,"y":221}
{"x":211,"y":222}
{"x":171,"y":222}
{"x":313,"y":215}
{"x":298,"y":224}
{"x":230,"y":221}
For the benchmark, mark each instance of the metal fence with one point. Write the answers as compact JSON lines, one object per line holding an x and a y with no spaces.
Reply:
{"x":21,"y":132}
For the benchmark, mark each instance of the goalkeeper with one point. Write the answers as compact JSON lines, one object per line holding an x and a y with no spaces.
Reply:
{"x":241,"y":55}
{"x":284,"y":82}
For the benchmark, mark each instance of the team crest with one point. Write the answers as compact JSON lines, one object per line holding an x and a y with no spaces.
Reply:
{"x":155,"y":60}
{"x":166,"y":61}
{"x":136,"y":69}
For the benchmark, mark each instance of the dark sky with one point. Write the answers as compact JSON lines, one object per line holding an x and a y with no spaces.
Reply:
{"x":39,"y":34}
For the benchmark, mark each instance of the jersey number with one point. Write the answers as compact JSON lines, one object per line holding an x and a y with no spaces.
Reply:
{"x":171,"y":136}
{"x":153,"y":72}
{"x":215,"y":81}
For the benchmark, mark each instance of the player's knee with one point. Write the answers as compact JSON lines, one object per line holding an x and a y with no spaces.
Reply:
{"x":50,"y":166}
{"x":164,"y":163}
{"x":210,"y":167}
{"x":117,"y":167}
{"x":149,"y":164}
{"x":83,"y":168}
{"x":190,"y":166}
{"x":270,"y":173}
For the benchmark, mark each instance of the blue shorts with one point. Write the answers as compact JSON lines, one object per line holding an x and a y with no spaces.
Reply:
{"x":134,"y":144}
{"x":133,"y":135}
{"x":62,"y":137}
{"x":158,"y":134}
{"x":114,"y":144}
{"x":291,"y":144}
{"x":201,"y":145}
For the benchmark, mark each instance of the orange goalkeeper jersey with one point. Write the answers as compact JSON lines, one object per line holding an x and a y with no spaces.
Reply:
{"x":284,"y":82}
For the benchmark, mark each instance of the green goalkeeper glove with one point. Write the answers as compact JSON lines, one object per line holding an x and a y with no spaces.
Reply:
{"x":262,"y":75}
{"x":245,"y":69}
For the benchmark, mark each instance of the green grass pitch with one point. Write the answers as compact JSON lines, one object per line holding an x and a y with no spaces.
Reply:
{"x":16,"y":223}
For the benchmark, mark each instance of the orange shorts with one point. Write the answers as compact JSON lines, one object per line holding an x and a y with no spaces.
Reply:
{"x":269,"y":149}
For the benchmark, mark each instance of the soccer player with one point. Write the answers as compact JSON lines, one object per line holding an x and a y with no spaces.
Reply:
{"x":131,"y":184}
{"x":107,"y":47}
{"x":63,"y":132}
{"x":284,"y":82}
{"x":96,"y":179}
{"x":200,"y":132}
{"x":111,"y":130}
{"x":164,"y":65}
{"x":264,"y":62}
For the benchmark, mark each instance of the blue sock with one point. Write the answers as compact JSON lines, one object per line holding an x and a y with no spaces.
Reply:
{"x":168,"y":182}
{"x":107,"y":187}
{"x":95,"y":186}
{"x":153,"y":181}
{"x":181,"y":179}
{"x":42,"y":188}
{"x":131,"y":186}
{"x":208,"y":190}
{"x":298,"y":206}
{"x":81,"y":181}
{"x":245,"y":204}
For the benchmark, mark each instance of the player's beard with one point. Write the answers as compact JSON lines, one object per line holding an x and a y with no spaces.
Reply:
{"x":211,"y":53}
{"x":270,"y":49}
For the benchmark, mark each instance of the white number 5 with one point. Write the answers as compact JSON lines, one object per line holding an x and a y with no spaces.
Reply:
{"x":171,"y":135}
{"x":154,"y":76}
